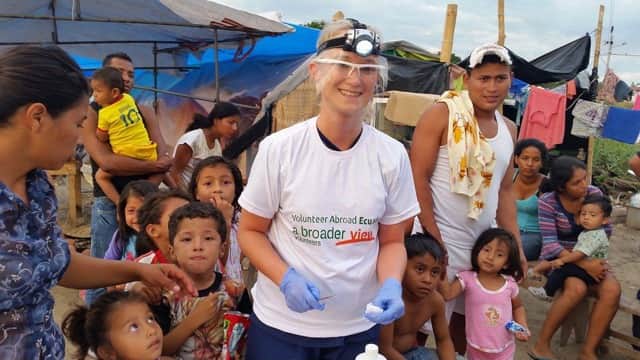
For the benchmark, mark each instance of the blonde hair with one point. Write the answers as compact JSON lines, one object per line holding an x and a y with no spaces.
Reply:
{"x":336,"y":29}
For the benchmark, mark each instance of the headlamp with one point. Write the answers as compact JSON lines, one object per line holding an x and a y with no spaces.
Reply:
{"x":359,"y":40}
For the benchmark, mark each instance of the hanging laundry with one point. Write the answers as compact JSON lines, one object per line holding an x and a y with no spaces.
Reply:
{"x":636,"y":105}
{"x":571,"y":89}
{"x":544,"y":117}
{"x":516,"y":87}
{"x":591,"y":113}
{"x":622,"y":125}
{"x":521,"y":103}
{"x":608,"y":86}
{"x":622,"y":91}
{"x":588,"y":118}
{"x":582,"y":80}
{"x":560,"y":89}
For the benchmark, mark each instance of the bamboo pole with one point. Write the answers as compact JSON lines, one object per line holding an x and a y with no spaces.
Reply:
{"x":449,"y":29}
{"x":596,"y":58}
{"x":501,"y":34}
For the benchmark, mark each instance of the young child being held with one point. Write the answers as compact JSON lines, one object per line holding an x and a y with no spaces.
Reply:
{"x":120,"y":124}
{"x":592,"y":242}
{"x":118,"y":325}
{"x":123,"y":242}
{"x":219,"y":182}
{"x":422,"y":301}
{"x":197,"y":231}
{"x":491,"y":296}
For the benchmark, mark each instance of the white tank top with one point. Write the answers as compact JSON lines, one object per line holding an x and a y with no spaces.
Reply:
{"x":451,"y":209}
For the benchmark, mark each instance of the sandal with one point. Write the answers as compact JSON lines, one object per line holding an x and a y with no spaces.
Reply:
{"x":539,"y":293}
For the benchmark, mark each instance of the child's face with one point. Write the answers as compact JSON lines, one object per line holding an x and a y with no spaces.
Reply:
{"x":131,"y":211}
{"x":134,"y":333}
{"x":422,"y":275}
{"x":160,"y":232}
{"x":215,"y":180}
{"x":592,"y":216}
{"x":102,"y":94}
{"x":493,"y":257}
{"x":196,"y":246}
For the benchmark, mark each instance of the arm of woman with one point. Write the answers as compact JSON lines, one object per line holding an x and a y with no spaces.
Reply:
{"x":108,"y":272}
{"x":253,"y":241}
{"x":392,"y":257}
{"x":551,"y":247}
{"x":180,"y":161}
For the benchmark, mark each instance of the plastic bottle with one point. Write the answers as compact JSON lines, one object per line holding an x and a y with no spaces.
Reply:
{"x":370,"y":353}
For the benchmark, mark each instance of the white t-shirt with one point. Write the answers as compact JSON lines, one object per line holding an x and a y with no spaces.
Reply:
{"x":197,"y":141}
{"x":325,"y":208}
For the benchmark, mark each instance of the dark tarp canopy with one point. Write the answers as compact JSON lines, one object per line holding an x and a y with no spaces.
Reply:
{"x":428,"y":77}
{"x":561,"y":64}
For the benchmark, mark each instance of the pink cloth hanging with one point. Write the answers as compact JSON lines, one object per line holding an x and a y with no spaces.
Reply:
{"x":544,"y":117}
{"x":636,"y":105}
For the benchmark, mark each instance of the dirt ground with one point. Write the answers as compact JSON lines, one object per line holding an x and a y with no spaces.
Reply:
{"x":624,"y":258}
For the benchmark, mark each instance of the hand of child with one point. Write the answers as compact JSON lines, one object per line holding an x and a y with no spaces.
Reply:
{"x":207,"y":308}
{"x":522,"y":336}
{"x":225,"y":207}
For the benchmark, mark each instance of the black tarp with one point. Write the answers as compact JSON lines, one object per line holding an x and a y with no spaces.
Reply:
{"x":428,"y":77}
{"x":561,"y":64}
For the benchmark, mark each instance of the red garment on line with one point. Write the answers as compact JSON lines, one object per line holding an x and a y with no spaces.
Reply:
{"x":544,"y":117}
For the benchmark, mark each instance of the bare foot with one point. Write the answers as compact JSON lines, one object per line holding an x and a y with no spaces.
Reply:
{"x":541,"y":352}
{"x":587,"y":356}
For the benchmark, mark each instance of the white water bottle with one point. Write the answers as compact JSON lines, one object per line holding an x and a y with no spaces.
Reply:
{"x":370,"y":353}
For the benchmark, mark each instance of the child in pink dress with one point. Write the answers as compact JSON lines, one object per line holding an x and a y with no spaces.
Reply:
{"x":491,"y":296}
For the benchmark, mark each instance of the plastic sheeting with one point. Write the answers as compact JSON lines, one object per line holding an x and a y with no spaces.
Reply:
{"x":561,"y":64}
{"x":427,"y":77}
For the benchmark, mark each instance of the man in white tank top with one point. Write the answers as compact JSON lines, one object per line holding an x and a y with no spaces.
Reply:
{"x":445,"y":213}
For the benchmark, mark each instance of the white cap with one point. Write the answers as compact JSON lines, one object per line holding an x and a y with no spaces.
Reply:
{"x":488,"y":49}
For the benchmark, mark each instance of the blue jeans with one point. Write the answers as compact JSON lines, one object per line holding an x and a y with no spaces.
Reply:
{"x":531,"y":244}
{"x":103,"y":225}
{"x":421,"y":353}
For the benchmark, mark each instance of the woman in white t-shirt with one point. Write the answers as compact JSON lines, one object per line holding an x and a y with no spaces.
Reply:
{"x":202,"y":139}
{"x":324,"y":212}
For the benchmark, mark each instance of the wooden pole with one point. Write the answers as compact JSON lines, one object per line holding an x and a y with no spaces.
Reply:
{"x":596,"y":60}
{"x":501,"y":34}
{"x":449,"y":28}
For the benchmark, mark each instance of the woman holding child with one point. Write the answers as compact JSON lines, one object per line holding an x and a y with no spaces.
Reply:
{"x":44,"y":103}
{"x":324,"y":213}
{"x":558,"y":211}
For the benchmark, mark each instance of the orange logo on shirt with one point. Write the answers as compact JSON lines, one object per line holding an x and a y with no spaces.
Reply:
{"x":356,"y":237}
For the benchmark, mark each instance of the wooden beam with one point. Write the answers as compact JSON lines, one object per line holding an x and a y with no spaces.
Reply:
{"x":449,"y":29}
{"x":596,"y":58}
{"x":501,"y":33}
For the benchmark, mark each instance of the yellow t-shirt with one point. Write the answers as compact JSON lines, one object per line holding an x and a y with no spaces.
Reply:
{"x":127,"y":134}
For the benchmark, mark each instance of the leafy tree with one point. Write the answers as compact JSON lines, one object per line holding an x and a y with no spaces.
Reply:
{"x":316,"y":24}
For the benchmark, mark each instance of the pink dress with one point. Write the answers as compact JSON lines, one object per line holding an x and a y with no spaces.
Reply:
{"x":487,"y":313}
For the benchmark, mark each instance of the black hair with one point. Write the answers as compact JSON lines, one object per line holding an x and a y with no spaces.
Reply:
{"x":562,"y":170}
{"x":46,"y":75}
{"x":150,"y":213}
{"x":197,"y":210}
{"x":513,"y":265}
{"x":111,"y":77}
{"x":87,"y":327}
{"x":488,"y":59}
{"x":601,"y":201}
{"x":118,"y":55}
{"x":420,"y":244}
{"x":219,"y":111}
{"x":212,"y":161}
{"x":531,"y":142}
{"x":140,"y":188}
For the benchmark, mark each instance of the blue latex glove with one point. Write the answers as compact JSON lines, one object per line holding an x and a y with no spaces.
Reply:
{"x":300,"y":294}
{"x":389,"y":299}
